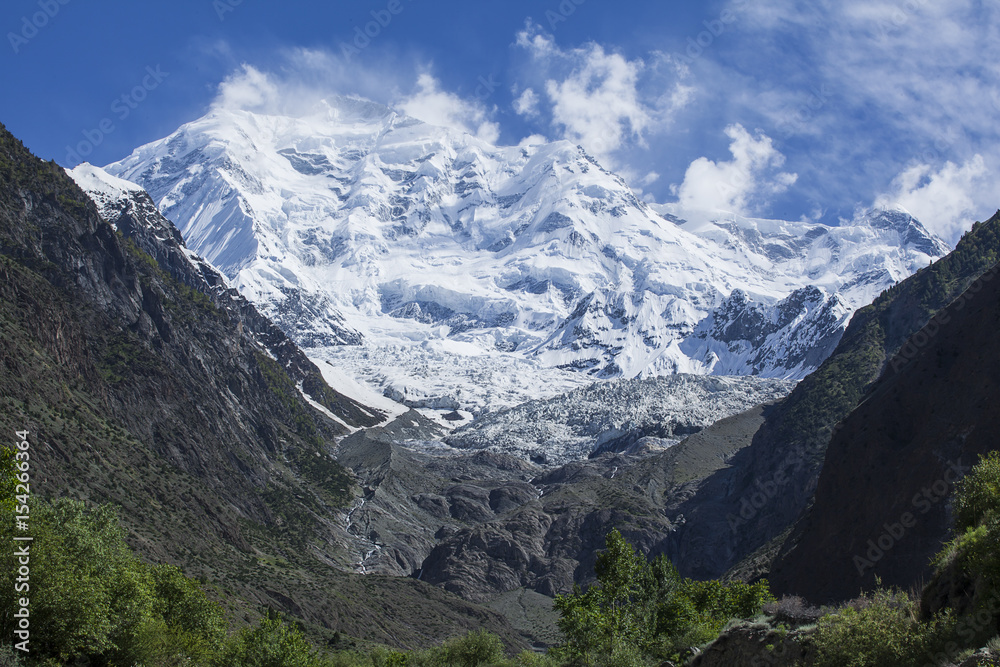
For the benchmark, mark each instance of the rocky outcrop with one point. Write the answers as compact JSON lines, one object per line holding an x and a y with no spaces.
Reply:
{"x":549,"y":541}
{"x":133,"y":214}
{"x":768,"y":485}
{"x":753,"y":646}
{"x":881,"y":506}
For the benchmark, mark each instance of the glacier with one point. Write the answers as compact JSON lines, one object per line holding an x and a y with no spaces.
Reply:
{"x":448,"y":273}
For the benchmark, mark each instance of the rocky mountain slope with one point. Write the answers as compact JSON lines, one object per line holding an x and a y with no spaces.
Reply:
{"x":422,"y":499}
{"x":131,"y":212}
{"x":488,"y":525}
{"x":430,"y":263}
{"x":145,"y":386}
{"x":744,"y":507}
{"x":882,"y":500}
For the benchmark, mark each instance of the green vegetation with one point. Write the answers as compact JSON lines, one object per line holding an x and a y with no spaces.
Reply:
{"x":881,"y":630}
{"x":124,"y":357}
{"x":645,"y":610}
{"x":312,"y":462}
{"x":977,"y":501}
{"x":971,"y":562}
{"x":187,"y":296}
{"x":271,"y":643}
{"x":37,"y":173}
{"x":92,"y":599}
{"x":889,"y":628}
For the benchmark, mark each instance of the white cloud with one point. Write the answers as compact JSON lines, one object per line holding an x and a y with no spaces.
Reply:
{"x":248,"y":89}
{"x":947,"y":200}
{"x":304,"y":77}
{"x":527,"y":103}
{"x":532,"y":140}
{"x":598,"y":104}
{"x":300,"y":78}
{"x":741,"y":185}
{"x":432,"y":105}
{"x":595,"y":97}
{"x":873,"y":88}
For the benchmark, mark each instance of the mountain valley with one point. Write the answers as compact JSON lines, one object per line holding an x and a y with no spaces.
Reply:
{"x":481,"y":362}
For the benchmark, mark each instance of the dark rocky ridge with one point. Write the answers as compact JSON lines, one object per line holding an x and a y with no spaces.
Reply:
{"x":882,"y":501}
{"x":744,"y":506}
{"x":137,"y":218}
{"x":144,"y":392}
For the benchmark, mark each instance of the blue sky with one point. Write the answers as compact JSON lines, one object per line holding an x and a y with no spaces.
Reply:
{"x":775,"y":108}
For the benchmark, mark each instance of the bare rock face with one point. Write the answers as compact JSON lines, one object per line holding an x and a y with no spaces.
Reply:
{"x":881,"y":508}
{"x":485,"y":524}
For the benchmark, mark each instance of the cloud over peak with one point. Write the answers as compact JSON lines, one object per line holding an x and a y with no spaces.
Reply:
{"x":741,"y":185}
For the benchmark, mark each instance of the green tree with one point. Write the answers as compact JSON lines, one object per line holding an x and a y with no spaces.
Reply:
{"x":977,"y":496}
{"x":614,"y":612}
{"x":92,"y":600}
{"x":475,"y":649}
{"x":89,"y":594}
{"x":271,"y":643}
{"x":646,"y":608}
{"x":8,"y":482}
{"x":973,"y":556}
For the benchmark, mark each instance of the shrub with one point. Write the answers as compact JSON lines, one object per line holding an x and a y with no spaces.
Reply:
{"x":531,"y":659}
{"x":977,"y":496}
{"x":383,"y":657}
{"x":475,"y":649}
{"x":646,"y":608}
{"x":271,"y":643}
{"x":792,"y":610}
{"x":881,"y":630}
{"x":972,"y":556}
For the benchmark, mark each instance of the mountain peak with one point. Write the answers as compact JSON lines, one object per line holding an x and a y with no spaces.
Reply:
{"x":452,"y":256}
{"x":912,"y":232}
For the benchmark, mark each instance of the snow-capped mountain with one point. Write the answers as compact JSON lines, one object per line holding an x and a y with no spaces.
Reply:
{"x":130,"y":210}
{"x":428,"y":261}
